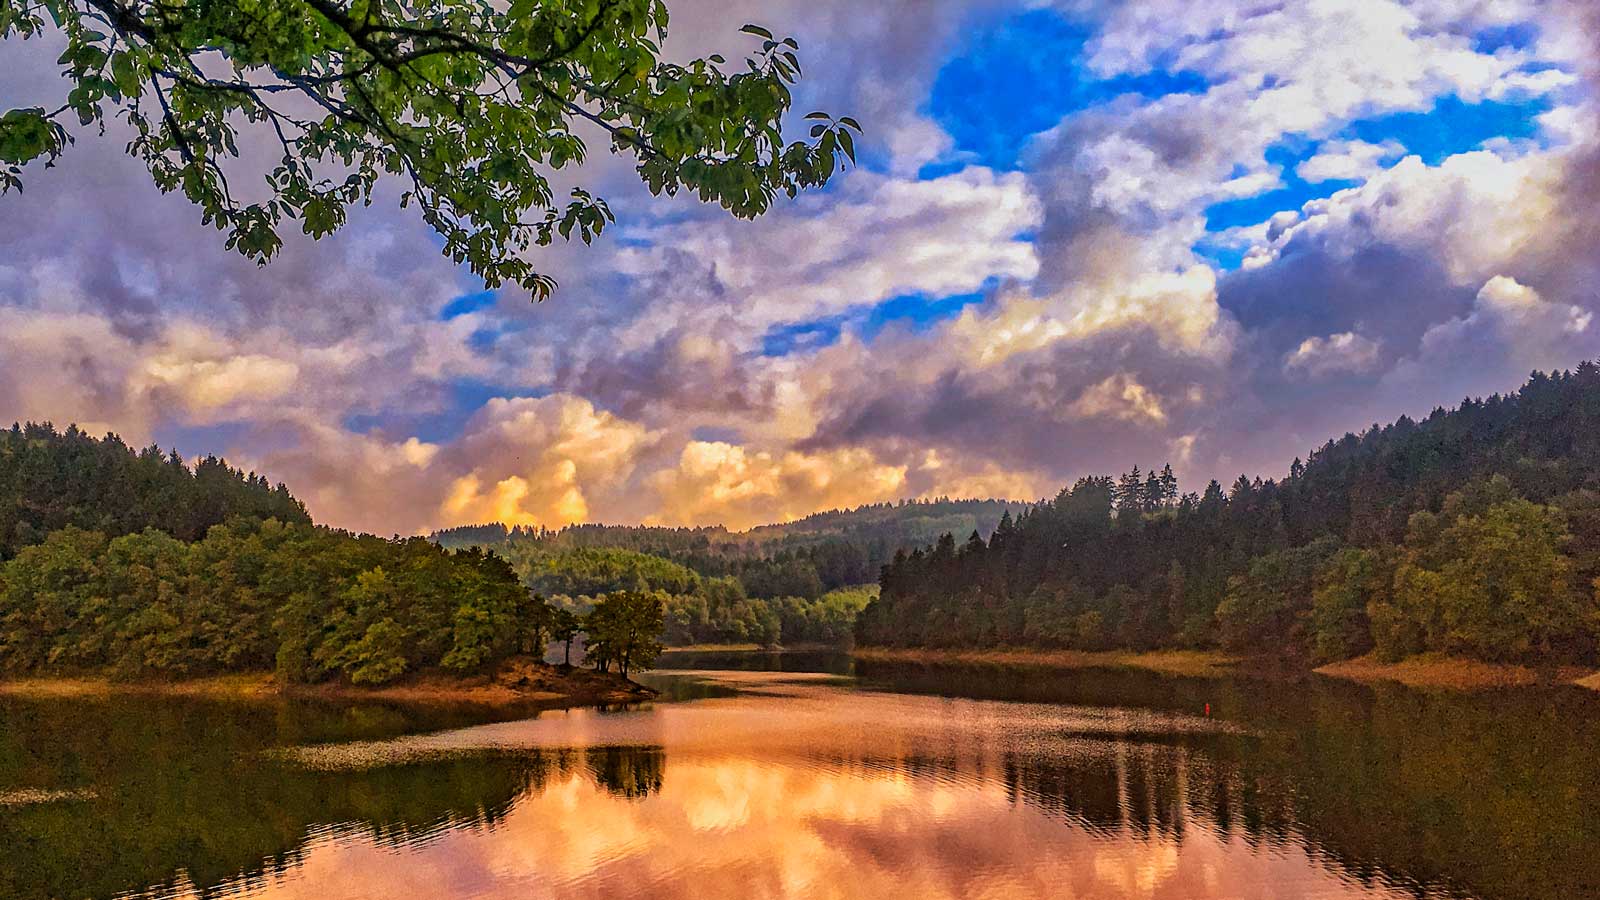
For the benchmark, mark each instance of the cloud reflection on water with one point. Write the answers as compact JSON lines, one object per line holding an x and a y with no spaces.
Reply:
{"x":797,"y":789}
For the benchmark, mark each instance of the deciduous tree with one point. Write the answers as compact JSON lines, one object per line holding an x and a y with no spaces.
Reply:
{"x":471,"y":104}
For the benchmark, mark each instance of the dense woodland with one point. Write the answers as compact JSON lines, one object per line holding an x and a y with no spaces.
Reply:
{"x":50,"y":480}
{"x":1475,"y":532}
{"x":805,"y":558}
{"x":698,"y":609}
{"x":799,"y":582}
{"x":137,"y":565}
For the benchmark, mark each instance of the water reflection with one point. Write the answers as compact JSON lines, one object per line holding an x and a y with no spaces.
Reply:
{"x":782,"y":785}
{"x":734,"y":827}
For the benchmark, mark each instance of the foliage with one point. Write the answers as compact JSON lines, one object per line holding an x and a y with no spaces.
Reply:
{"x":588,"y":572}
{"x":310,"y":603}
{"x":807,"y":558}
{"x":1468,"y":533}
{"x":473,"y":104}
{"x":1493,"y":584}
{"x":829,"y":619}
{"x":1350,"y":581}
{"x":719,"y":612}
{"x":564,"y":628}
{"x":1269,"y":605}
{"x":623,"y":630}
{"x":50,"y":480}
{"x":801,"y":582}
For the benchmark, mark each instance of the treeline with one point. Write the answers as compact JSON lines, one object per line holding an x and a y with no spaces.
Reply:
{"x":136,"y":564}
{"x":805,"y":558}
{"x":1474,"y":532}
{"x":308,"y":603}
{"x":713,"y":617}
{"x":698,"y":609}
{"x":50,"y":480}
{"x":905,"y":523}
{"x":642,"y":538}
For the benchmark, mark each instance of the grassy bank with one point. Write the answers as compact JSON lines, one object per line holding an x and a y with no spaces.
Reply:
{"x":1454,"y":673}
{"x":1428,"y":671}
{"x":1200,"y":663}
{"x":520,"y":682}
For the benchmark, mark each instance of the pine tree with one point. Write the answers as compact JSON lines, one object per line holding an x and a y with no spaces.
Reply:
{"x":1169,"y":486}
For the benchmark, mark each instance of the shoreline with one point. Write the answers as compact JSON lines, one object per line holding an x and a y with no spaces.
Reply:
{"x":1432,"y":670}
{"x":1195,"y":663}
{"x":516,"y":683}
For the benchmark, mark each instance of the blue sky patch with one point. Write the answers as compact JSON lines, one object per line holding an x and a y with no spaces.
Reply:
{"x":798,"y":337}
{"x":1452,"y":126}
{"x":917,"y":311}
{"x":196,"y":441}
{"x":1516,"y":36}
{"x":1023,"y":75}
{"x":463,"y":398}
{"x":467,"y":303}
{"x":1294,"y":193}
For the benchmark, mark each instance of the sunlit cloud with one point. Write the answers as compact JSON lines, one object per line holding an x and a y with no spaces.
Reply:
{"x":720,"y":482}
{"x":1223,"y":233}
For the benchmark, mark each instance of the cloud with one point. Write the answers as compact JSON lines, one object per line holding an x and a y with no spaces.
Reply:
{"x":1343,"y":352}
{"x":720,"y":482}
{"x":1349,"y":160}
{"x":69,"y":368}
{"x":874,"y":238}
{"x":1092,"y":334}
{"x":1119,"y":397}
{"x":1510,"y":330}
{"x":538,"y":461}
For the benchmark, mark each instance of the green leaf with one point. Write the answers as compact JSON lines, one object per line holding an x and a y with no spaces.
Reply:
{"x":476,"y":167}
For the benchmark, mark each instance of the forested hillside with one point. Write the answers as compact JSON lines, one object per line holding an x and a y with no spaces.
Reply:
{"x":699,"y":609}
{"x":50,"y":480}
{"x":139,"y":565}
{"x":802,"y":581}
{"x":1475,"y":532}
{"x":254,"y":595}
{"x":804,"y":558}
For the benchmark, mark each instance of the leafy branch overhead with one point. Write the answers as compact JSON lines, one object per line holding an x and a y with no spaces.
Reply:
{"x":472,"y":103}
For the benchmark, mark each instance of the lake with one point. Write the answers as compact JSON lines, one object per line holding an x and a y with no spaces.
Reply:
{"x":787,"y":775}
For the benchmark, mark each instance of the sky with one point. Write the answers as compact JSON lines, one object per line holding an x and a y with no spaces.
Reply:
{"x":1083,"y":235}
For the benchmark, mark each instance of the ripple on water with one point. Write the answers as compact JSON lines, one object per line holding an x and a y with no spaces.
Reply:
{"x":788,"y":714}
{"x":32,"y":796}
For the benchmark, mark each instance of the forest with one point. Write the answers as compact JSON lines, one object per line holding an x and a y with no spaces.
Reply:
{"x":801,"y":582}
{"x":137,"y":565}
{"x":699,"y":609}
{"x":50,"y":480}
{"x":1474,"y":532}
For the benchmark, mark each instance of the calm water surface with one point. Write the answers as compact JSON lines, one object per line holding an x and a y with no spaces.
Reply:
{"x":795,"y":776}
